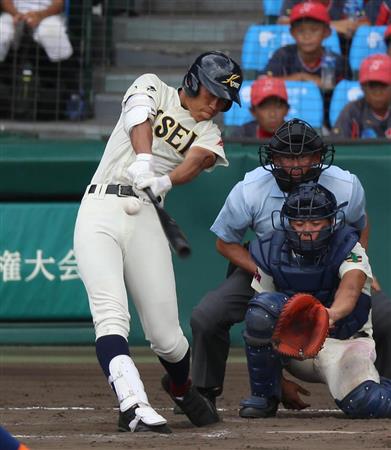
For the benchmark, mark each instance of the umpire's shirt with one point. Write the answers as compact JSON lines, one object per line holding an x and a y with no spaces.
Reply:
{"x":251,"y":202}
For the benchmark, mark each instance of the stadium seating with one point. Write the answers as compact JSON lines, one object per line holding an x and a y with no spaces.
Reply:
{"x":366,"y":41}
{"x":261,"y":41}
{"x":345,"y":91}
{"x":304,"y":98}
{"x":272,"y":7}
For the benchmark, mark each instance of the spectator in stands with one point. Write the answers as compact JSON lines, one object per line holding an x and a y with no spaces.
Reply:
{"x":387,"y":39}
{"x":339,"y":11}
{"x":45,"y":21}
{"x":370,"y":116}
{"x":269,"y":106}
{"x":310,"y":24}
{"x":384,"y":15}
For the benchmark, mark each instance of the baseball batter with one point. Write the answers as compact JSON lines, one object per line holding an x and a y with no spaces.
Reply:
{"x":311,"y":250}
{"x":163,"y":137}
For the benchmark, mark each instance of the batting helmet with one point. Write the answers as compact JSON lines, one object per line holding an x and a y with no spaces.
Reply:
{"x":294,"y":139}
{"x":218,"y":73}
{"x":311,"y":202}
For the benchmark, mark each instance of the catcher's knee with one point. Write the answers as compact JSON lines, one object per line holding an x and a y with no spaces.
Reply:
{"x":261,"y":317}
{"x":368,"y":400}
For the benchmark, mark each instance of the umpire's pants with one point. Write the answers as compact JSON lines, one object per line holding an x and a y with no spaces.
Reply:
{"x":211,"y":321}
{"x":381,"y":321}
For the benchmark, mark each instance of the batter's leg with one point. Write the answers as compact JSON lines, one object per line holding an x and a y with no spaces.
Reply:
{"x":150,"y":279}
{"x":211,"y":322}
{"x":100,"y":263}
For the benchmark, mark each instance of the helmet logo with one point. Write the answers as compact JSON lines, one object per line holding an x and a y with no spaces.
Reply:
{"x":231,"y":81}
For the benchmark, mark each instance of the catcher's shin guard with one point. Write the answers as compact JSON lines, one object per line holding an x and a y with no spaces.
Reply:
{"x":368,"y":400}
{"x":265,"y":372}
{"x":264,"y":364}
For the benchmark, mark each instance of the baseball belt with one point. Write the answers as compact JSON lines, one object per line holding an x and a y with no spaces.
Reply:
{"x":117,"y":189}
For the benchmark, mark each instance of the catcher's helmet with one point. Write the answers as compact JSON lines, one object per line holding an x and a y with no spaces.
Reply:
{"x":294,"y":139}
{"x":310,"y":202}
{"x":218,"y":73}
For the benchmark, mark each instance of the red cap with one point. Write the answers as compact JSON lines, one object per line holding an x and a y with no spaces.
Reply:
{"x":387,"y":33}
{"x":376,"y":68}
{"x":310,"y":10}
{"x":266,"y":87}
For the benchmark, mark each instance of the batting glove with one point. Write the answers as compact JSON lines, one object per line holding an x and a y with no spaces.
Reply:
{"x":159,"y":185}
{"x":143,"y":164}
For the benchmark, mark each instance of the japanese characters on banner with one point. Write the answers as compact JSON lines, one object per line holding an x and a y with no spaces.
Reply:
{"x":11,"y":265}
{"x":39,"y":279}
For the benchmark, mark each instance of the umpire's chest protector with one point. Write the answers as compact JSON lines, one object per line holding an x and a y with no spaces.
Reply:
{"x":274,"y":257}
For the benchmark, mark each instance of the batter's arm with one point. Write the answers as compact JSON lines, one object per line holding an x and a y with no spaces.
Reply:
{"x":141,"y":138}
{"x":237,"y":254}
{"x":196,"y":160}
{"x":347,"y":294}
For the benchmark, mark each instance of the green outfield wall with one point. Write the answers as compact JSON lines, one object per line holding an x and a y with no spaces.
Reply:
{"x":41,"y":184}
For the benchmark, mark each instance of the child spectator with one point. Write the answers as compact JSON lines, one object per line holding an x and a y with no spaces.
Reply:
{"x":387,"y":39}
{"x":384,"y":16}
{"x":370,"y":116}
{"x":338,"y":11}
{"x":269,"y":106}
{"x":310,"y":24}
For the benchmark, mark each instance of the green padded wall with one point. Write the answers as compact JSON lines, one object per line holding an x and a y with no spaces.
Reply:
{"x":43,"y":169}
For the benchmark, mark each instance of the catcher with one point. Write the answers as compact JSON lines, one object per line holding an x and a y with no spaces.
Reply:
{"x":312,"y":251}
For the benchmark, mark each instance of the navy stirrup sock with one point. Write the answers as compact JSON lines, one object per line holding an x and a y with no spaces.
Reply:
{"x":108,"y":347}
{"x":179,"y":374}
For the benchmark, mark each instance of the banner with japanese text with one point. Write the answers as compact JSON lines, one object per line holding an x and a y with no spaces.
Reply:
{"x":38,"y":272}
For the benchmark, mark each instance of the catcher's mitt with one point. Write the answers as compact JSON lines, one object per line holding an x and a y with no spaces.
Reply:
{"x":301,"y":328}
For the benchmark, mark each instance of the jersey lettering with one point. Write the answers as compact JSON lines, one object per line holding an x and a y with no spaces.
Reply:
{"x":162,"y":130}
{"x":177,"y":133}
{"x":174,"y":133}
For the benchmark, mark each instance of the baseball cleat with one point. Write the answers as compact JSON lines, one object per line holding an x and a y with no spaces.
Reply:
{"x":209,"y":393}
{"x":258,"y":408}
{"x":199,"y":410}
{"x":132,"y":421}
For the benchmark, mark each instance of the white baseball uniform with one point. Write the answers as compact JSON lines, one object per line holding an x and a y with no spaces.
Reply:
{"x":51,"y":32}
{"x":119,"y":253}
{"x":341,"y":364}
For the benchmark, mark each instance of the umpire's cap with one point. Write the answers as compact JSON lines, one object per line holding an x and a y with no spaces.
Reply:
{"x":218,"y":73}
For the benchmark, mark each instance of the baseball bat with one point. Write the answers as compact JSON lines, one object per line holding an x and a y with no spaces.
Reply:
{"x":171,"y":229}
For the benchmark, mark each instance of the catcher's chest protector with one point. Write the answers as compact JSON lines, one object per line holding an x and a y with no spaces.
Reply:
{"x":320,"y":280}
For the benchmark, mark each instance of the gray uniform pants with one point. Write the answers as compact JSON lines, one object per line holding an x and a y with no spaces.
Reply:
{"x":211,"y":321}
{"x":381,"y":320}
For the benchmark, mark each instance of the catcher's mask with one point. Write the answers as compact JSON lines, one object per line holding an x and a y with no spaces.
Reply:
{"x":295,"y":139}
{"x":218,"y":73}
{"x":309,"y":202}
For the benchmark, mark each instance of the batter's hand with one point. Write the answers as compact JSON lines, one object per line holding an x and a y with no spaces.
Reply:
{"x":290,"y":395}
{"x":143,"y":164}
{"x":159,"y":185}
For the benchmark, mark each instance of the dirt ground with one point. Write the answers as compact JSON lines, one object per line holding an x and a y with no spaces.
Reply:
{"x":57,"y":398}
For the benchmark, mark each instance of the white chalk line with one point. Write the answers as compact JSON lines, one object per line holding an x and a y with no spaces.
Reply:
{"x":91,"y":408}
{"x":213,"y":435}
